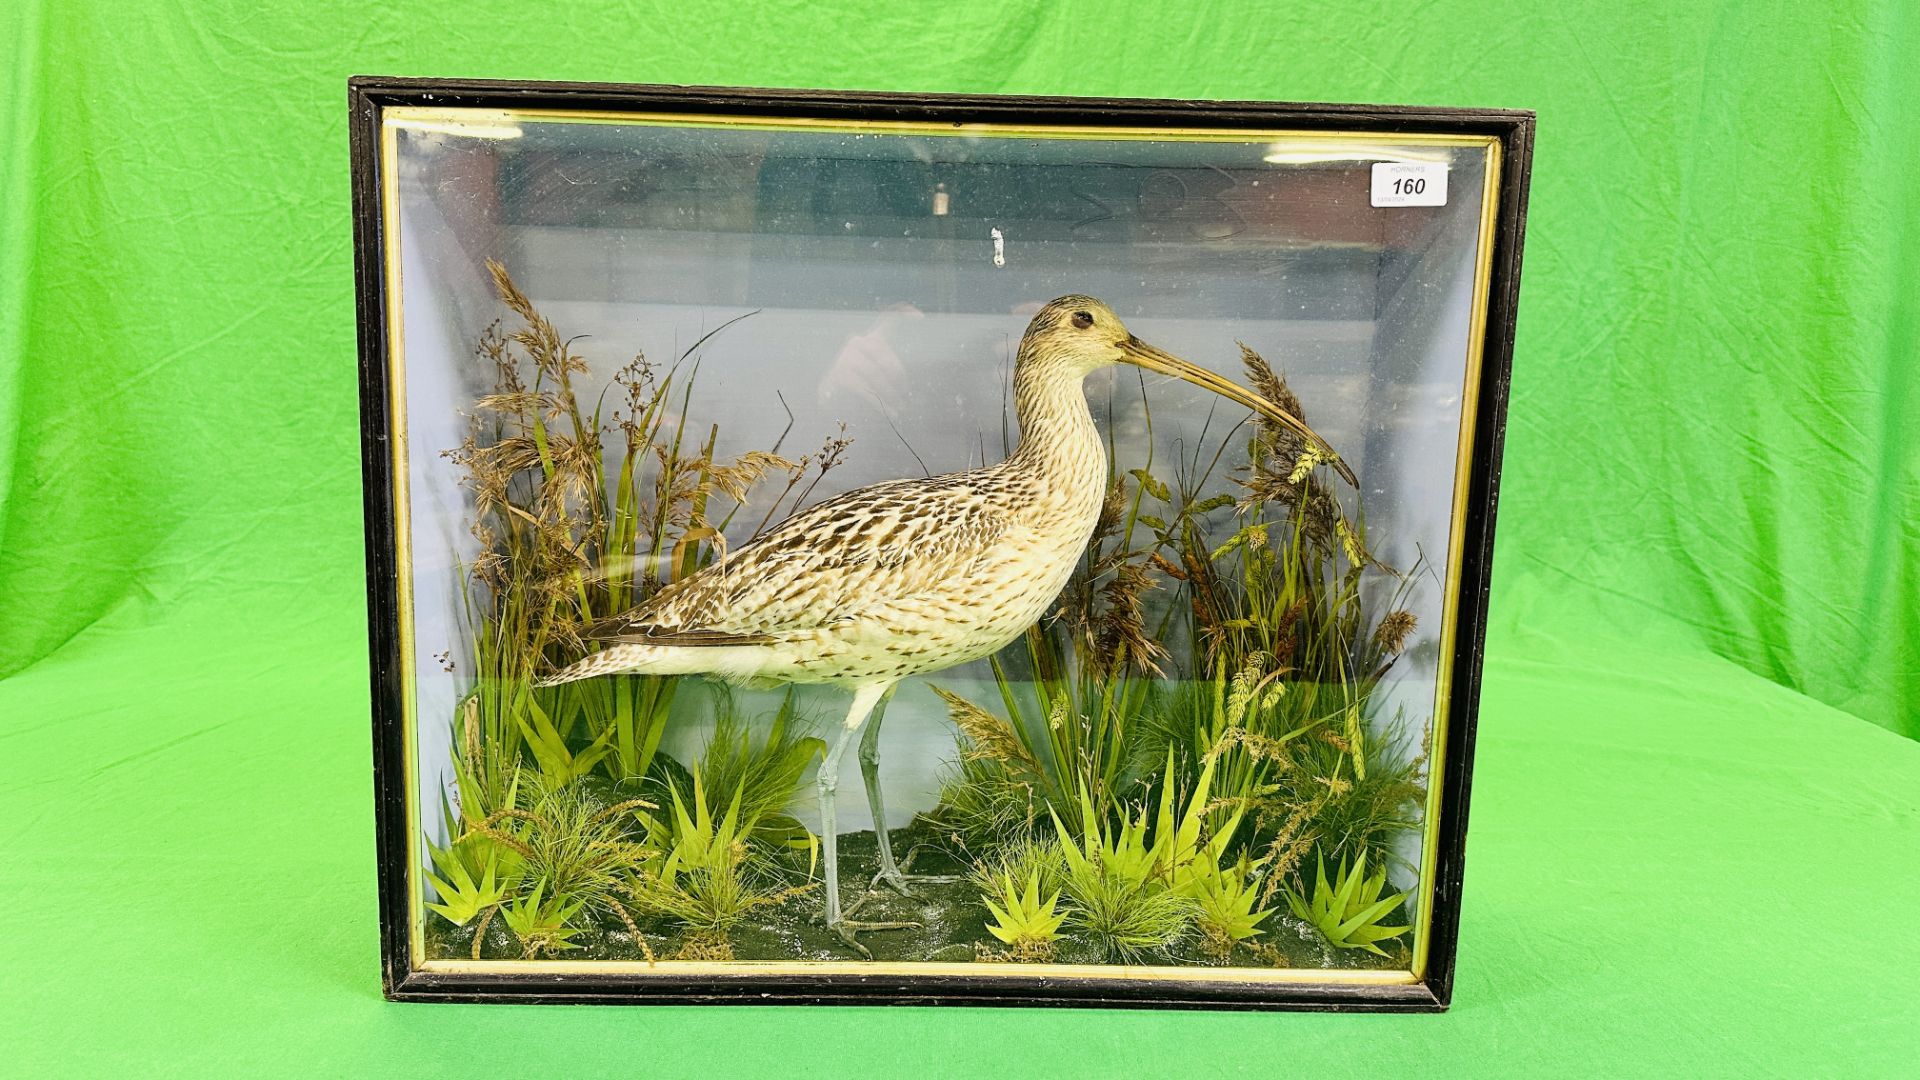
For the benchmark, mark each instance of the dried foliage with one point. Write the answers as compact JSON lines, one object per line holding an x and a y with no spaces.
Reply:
{"x":583,"y":509}
{"x":580,"y":516}
{"x":987,"y":737}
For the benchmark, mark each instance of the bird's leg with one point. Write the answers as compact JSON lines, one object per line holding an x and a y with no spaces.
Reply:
{"x":829,"y":784}
{"x":864,"y":700}
{"x":870,"y":772}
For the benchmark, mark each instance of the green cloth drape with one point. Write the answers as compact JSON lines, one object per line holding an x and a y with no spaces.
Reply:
{"x":1689,"y":836}
{"x":1712,"y":411}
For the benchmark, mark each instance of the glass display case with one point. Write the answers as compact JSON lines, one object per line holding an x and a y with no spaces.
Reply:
{"x":851,"y":547}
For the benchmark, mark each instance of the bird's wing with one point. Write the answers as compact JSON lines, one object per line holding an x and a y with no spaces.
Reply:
{"x":823,"y":565}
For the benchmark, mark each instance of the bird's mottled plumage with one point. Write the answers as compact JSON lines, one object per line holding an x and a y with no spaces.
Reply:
{"x":909,"y":576}
{"x":894,"y":579}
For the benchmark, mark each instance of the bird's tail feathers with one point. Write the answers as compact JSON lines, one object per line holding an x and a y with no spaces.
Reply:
{"x":727,"y":662}
{"x":600,"y":663}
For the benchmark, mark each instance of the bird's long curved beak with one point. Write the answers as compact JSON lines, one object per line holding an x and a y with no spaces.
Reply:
{"x":1144,"y":355}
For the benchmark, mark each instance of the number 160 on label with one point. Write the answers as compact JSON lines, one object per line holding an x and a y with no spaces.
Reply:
{"x":1409,"y":183}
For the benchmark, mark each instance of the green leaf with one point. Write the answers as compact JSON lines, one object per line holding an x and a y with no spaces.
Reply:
{"x":1349,"y":886}
{"x":1379,"y":933}
{"x":1367,"y":915}
{"x":460,"y":897}
{"x":1002,"y":925}
{"x":1151,"y":484}
{"x":1348,"y":915}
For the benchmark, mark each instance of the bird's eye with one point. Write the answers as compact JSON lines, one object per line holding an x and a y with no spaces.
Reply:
{"x":1082,"y":319}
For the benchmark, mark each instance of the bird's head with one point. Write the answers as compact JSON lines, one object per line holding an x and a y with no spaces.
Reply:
{"x":1077,"y":335}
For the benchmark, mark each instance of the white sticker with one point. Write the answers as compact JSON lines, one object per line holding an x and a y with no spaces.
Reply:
{"x":1409,"y":183}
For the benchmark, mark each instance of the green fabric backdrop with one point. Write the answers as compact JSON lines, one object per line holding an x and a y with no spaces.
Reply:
{"x":1712,"y":413}
{"x":1691,"y":844}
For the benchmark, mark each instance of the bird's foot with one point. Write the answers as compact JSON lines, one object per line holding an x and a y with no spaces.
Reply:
{"x":897,"y":878}
{"x":902,"y":882}
{"x":899,"y":881}
{"x":847,"y":929}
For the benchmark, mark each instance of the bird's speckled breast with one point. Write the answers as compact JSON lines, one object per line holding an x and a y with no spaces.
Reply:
{"x":1050,"y":492}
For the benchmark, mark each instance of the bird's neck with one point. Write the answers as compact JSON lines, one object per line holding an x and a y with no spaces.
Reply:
{"x":1058,"y":442}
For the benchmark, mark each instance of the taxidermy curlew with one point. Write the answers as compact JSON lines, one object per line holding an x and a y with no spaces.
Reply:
{"x":910,"y":576}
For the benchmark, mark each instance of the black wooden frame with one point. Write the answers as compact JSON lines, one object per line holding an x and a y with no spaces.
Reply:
{"x":368,"y":96}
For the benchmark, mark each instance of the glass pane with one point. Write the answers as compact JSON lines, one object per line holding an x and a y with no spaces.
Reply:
{"x":1154,"y":679}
